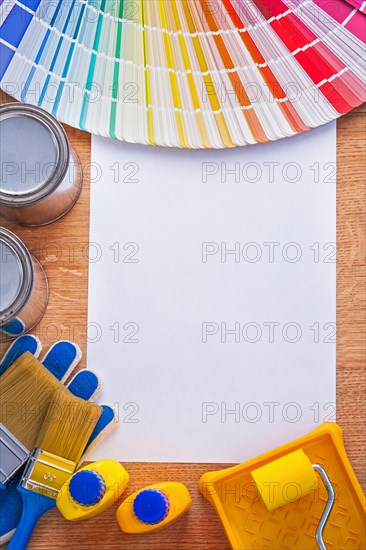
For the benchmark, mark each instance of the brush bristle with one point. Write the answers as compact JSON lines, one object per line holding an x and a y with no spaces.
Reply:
{"x":68,"y":425}
{"x":26,"y":390}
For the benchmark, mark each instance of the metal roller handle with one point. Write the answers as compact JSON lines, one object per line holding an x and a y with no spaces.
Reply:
{"x":328,"y":506}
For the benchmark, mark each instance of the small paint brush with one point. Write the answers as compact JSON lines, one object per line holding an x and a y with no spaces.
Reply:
{"x":26,"y":391}
{"x":67,"y":428}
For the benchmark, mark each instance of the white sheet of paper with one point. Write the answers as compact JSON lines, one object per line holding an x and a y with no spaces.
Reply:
{"x":212,"y":296}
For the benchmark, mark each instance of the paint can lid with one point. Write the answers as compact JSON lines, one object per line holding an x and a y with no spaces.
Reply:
{"x":87,"y":488}
{"x":151,"y":506}
{"x":16,"y":278}
{"x":34,"y":154}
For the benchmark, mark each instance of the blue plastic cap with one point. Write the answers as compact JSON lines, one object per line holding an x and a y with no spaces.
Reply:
{"x":87,"y":488}
{"x":151,"y":506}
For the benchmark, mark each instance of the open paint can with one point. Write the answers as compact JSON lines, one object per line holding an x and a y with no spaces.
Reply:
{"x":41,"y":175}
{"x":23,"y":287}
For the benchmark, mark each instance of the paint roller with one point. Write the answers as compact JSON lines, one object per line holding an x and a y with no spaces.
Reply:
{"x":289,"y":478}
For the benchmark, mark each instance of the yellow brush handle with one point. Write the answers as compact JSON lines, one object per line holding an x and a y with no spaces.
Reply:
{"x":285,"y":480}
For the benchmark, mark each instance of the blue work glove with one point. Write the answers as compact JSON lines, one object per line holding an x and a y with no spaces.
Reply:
{"x":61,"y":360}
{"x":14,"y":328}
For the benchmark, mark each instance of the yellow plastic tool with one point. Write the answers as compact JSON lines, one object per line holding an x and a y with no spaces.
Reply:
{"x":153,"y":507}
{"x":277,"y":500}
{"x":92,"y":490}
{"x":290,"y":478}
{"x":285,"y":480}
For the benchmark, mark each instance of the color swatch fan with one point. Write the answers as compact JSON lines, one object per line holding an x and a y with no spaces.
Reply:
{"x":186,"y":73}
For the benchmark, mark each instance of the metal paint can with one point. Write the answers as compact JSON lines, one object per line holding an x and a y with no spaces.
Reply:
{"x":23,"y":287}
{"x":41,"y":175}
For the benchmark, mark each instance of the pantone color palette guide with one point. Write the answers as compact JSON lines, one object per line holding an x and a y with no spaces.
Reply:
{"x":186,"y":73}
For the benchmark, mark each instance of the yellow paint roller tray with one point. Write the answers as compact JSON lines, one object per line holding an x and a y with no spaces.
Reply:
{"x":236,"y":495}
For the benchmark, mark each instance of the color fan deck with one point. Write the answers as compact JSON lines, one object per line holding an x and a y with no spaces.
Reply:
{"x":186,"y":73}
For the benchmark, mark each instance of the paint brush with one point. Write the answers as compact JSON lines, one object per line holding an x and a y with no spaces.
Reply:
{"x":66,"y":430}
{"x":26,"y":390}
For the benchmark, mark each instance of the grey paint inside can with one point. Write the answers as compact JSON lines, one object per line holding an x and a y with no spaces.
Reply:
{"x":29,"y":154}
{"x":41,"y":175}
{"x":11,"y":276}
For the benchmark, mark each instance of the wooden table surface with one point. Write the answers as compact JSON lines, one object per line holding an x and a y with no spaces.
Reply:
{"x":61,"y":249}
